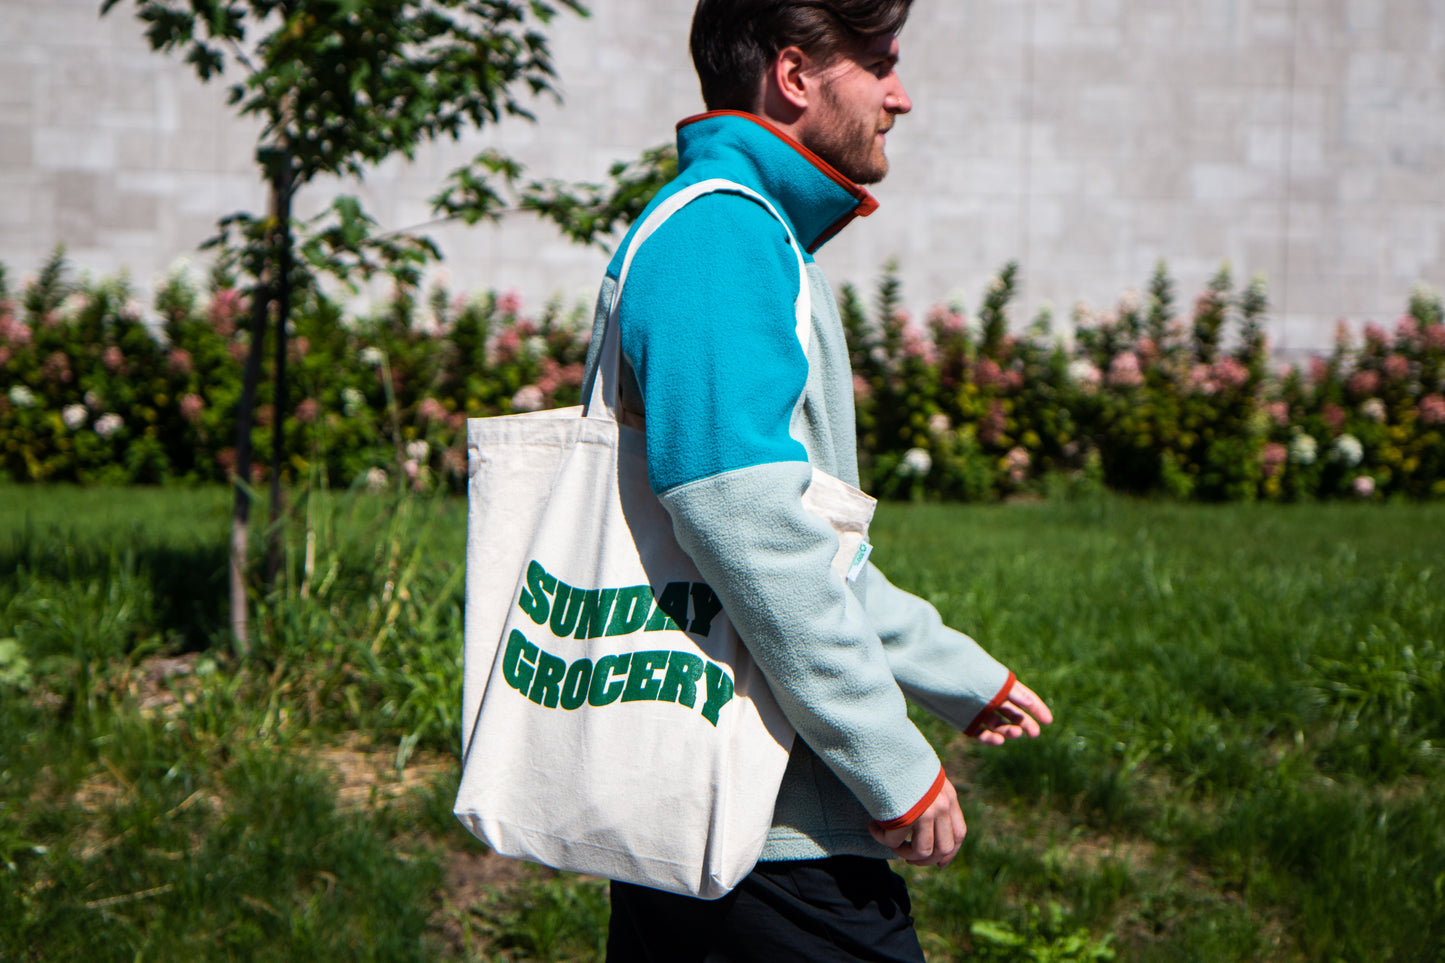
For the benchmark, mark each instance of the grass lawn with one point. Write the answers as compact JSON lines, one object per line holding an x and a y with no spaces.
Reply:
{"x":1247,"y":762}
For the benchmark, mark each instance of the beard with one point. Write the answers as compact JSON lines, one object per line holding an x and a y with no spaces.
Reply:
{"x":849,"y":142}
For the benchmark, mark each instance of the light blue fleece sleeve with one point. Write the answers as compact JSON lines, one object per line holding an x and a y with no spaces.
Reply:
{"x":940,"y":668}
{"x":710,"y":334}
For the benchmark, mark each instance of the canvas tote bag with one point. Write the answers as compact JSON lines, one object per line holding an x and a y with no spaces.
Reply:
{"x":612,"y":720}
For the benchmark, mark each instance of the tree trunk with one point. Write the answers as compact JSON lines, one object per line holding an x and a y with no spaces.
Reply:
{"x":245,"y":415}
{"x":241,"y":514}
{"x":281,"y":403}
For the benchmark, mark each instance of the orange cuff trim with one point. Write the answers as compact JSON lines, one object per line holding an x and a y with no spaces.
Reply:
{"x":998,"y":700}
{"x":918,"y":809}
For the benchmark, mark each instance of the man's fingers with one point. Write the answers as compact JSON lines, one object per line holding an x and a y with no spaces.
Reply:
{"x":932,"y":839}
{"x":1022,"y":713}
{"x":1026,"y":698}
{"x":922,"y":842}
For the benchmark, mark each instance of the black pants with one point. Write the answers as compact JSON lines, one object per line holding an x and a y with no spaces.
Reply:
{"x":842,"y":908}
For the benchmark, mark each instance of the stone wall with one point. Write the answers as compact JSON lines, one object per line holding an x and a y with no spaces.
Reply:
{"x":1086,"y":138}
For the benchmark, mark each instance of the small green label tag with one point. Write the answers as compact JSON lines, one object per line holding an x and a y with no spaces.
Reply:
{"x":860,"y":558}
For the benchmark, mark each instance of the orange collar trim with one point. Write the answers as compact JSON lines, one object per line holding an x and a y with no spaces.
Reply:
{"x":867,"y":203}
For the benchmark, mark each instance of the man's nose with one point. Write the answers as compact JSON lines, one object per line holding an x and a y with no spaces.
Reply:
{"x":897,"y":101}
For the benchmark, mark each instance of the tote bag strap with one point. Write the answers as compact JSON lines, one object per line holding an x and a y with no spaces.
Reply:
{"x":606,"y":385}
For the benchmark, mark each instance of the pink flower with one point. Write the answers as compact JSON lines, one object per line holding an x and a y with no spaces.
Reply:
{"x":1363,"y":383}
{"x":994,"y":424}
{"x":191,"y":407}
{"x":1229,"y":373}
{"x":1124,"y":370}
{"x":946,"y":323}
{"x":506,"y":345}
{"x":298,"y":348}
{"x":551,"y":376}
{"x":862,"y":390}
{"x":1016,"y":463}
{"x":1198,"y":379}
{"x":1148,"y":350}
{"x":4,"y":356}
{"x":573,"y":374}
{"x":179,"y":361}
{"x":510,"y":304}
{"x":1397,"y":367}
{"x":1272,"y":458}
{"x":1432,"y":410}
{"x":431,"y":410}
{"x":1407,"y":330}
{"x":1278,"y":412}
{"x":1319,"y":371}
{"x":1435,"y":337}
{"x":226,"y":305}
{"x":113,"y":359}
{"x":987,"y":373}
{"x":1375,"y":338}
{"x":1364,"y":486}
{"x":916,"y":344}
{"x":1334,"y":416}
{"x":454,"y":462}
{"x":528,"y":398}
{"x":57,"y":368}
{"x":307,"y":411}
{"x":237,"y":350}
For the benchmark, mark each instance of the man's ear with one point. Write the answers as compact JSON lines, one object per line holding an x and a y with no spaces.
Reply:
{"x":788,"y":85}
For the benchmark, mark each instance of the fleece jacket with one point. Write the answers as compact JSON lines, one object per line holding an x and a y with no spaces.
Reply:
{"x":736,"y":415}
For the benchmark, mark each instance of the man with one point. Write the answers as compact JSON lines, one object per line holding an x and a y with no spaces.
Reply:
{"x":801,"y":96}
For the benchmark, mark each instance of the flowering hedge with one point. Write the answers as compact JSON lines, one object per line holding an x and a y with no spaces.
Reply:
{"x":96,"y":387}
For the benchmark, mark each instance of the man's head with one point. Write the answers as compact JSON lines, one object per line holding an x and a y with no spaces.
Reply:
{"x":821,"y":70}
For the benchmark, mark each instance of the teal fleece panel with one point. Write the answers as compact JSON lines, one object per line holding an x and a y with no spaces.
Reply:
{"x":735,"y":415}
{"x":723,"y":373}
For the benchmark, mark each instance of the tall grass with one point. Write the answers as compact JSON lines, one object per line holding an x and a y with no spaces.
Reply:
{"x":1246,"y":764}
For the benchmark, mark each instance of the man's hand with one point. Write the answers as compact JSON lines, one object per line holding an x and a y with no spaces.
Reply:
{"x":932,"y":839}
{"x":1021,"y":714}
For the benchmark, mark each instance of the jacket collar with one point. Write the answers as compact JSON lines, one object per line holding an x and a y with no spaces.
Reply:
{"x":816,"y":199}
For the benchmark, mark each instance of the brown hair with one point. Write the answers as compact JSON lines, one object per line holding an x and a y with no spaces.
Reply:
{"x":734,"y":41}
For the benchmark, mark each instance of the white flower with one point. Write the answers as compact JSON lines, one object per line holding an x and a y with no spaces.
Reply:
{"x":22,"y":397}
{"x":372,"y":356}
{"x":916,"y":462}
{"x":528,"y":398}
{"x":1347,"y":449}
{"x":417,"y":450}
{"x":535,"y":345}
{"x":74,"y":416}
{"x":1364,"y":486}
{"x":1085,"y":373}
{"x":108,"y":424}
{"x":75,"y":304}
{"x":1373,"y":409}
{"x":352,"y":400}
{"x":376,"y":479}
{"x":1303,"y":449}
{"x":939,"y":424}
{"x":92,"y":401}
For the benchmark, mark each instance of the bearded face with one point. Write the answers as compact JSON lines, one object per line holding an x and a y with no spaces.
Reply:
{"x":859,"y":98}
